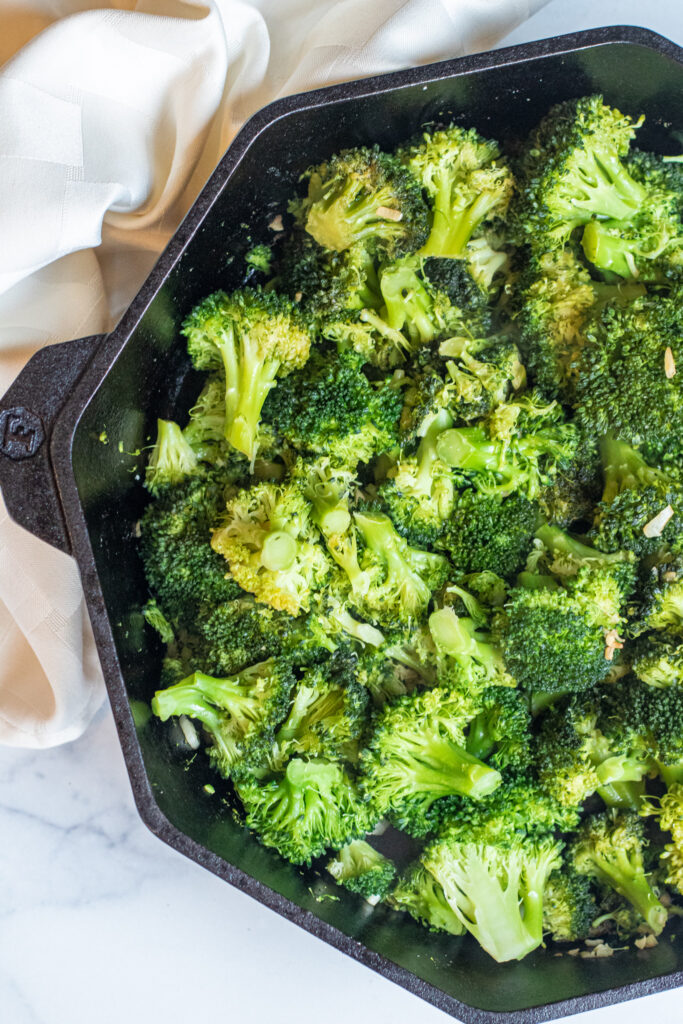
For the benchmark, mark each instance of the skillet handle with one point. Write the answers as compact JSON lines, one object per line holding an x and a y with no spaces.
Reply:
{"x":28,"y":411}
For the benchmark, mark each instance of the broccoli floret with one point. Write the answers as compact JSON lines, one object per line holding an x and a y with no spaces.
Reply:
{"x":649,"y":245}
{"x":181,"y":568}
{"x":205,"y":430}
{"x":392,"y":580}
{"x":155,"y":618}
{"x":573,"y":171}
{"x":328,"y":283}
{"x":467,"y":659}
{"x":361,"y":869}
{"x":467,"y":182}
{"x":495,"y":887}
{"x":420,"y":895}
{"x":569,"y":907}
{"x":416,"y":307}
{"x":523,"y":461}
{"x":254,"y":337}
{"x":639,"y":504}
{"x":610,"y":848}
{"x":172,"y":459}
{"x":564,"y":556}
{"x":557,"y":297}
{"x":369,"y":336}
{"x":271,"y":547}
{"x":658,"y":660}
{"x":627,"y":384}
{"x":558,"y":639}
{"x":485,"y":533}
{"x":657,"y":716}
{"x":260,"y":258}
{"x":363,"y":195}
{"x":469,"y":283}
{"x":587,"y":743}
{"x":326,"y":718}
{"x":314,"y":806}
{"x":417,"y":754}
{"x":481,"y":374}
{"x":330,"y":407}
{"x":235,"y":711}
{"x":234,"y":633}
{"x":668,"y":809}
{"x":500,"y":734}
{"x":419,"y":493}
{"x":661,"y":595}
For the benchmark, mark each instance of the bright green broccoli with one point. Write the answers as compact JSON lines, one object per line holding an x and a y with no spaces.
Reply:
{"x":610,"y":848}
{"x":235,"y":711}
{"x":172,"y":459}
{"x":500,"y":734}
{"x":253,"y":337}
{"x":658,"y":660}
{"x":359,"y":868}
{"x":331,"y":408}
{"x":569,"y":907}
{"x":573,"y":171}
{"x":315,"y":805}
{"x":363,"y":195}
{"x":416,"y":754}
{"x":271,"y":547}
{"x":485,"y":532}
{"x":467,"y":181}
{"x":467,"y":659}
{"x":420,"y":895}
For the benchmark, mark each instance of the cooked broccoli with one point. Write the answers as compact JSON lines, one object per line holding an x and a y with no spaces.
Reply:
{"x":172,"y":458}
{"x":416,"y":754}
{"x":363,"y":195}
{"x":315,"y":805}
{"x":610,"y":848}
{"x":485,"y":532}
{"x":392,"y":580}
{"x":588,"y":743}
{"x":271,"y":547}
{"x":467,"y":659}
{"x":467,"y":181}
{"x":627,"y":383}
{"x":661,"y":604}
{"x":419,"y":894}
{"x":330,"y":407}
{"x":648,"y":246}
{"x":495,"y":886}
{"x":500,"y":734}
{"x":415,"y":306}
{"x":254,"y":337}
{"x":658,"y":660}
{"x":639,"y":507}
{"x":573,"y":171}
{"x":668,"y":809}
{"x":523,"y":461}
{"x":569,"y":907}
{"x":235,"y":711}
{"x":182,"y":570}
{"x":419,"y":494}
{"x":361,"y":869}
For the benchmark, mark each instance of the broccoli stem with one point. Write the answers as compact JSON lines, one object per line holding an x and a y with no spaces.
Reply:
{"x":556,"y":540}
{"x":623,"y":468}
{"x":457,"y":637}
{"x":671,"y":773}
{"x":622,"y":794}
{"x":630,"y":881}
{"x":608,"y":189}
{"x":254,"y":380}
{"x":279,"y":551}
{"x":607,"y":251}
{"x":436,"y":766}
{"x":407,"y":300}
{"x":469,"y":448}
{"x":537,"y":581}
{"x":330,"y":511}
{"x":381,"y":537}
{"x":426,"y":452}
{"x":453,"y":228}
{"x":480,"y":743}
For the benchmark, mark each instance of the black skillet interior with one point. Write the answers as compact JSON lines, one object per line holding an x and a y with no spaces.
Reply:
{"x":151,"y":378}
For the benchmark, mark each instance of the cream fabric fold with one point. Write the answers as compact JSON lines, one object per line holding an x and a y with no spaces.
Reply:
{"x":110,"y":122}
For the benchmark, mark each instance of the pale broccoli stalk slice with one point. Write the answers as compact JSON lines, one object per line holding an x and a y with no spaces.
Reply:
{"x":496,"y":891}
{"x":359,"y":868}
{"x":172,"y":458}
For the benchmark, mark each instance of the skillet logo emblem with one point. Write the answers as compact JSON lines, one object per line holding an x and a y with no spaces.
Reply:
{"x":21,"y":433}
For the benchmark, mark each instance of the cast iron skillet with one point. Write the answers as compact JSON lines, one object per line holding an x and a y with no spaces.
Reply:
{"x":70,"y":420}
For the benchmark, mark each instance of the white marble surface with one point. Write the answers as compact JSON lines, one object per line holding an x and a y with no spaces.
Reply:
{"x":100,"y":922}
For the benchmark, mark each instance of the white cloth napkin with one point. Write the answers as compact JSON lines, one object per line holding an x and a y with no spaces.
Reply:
{"x":110,"y":123}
